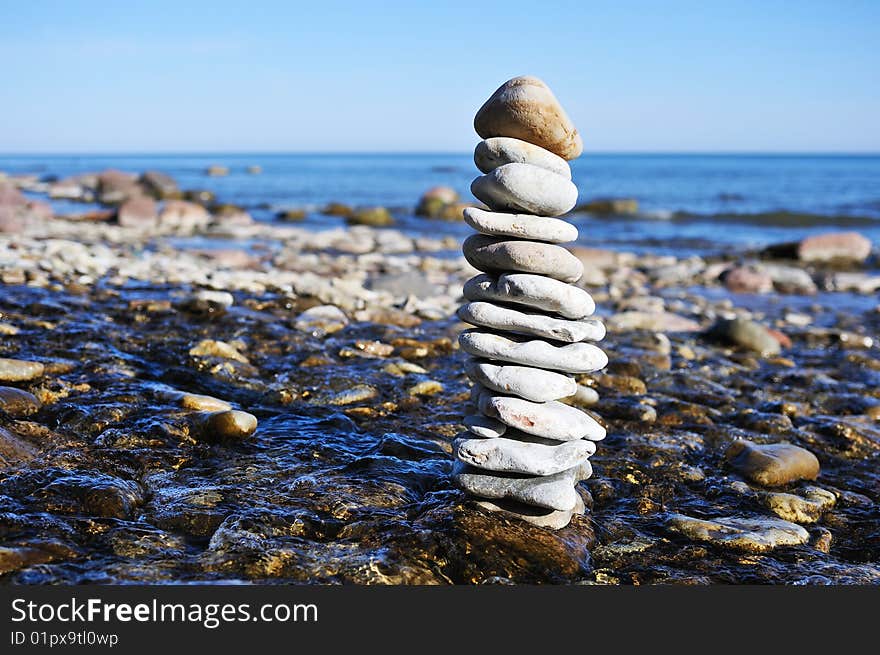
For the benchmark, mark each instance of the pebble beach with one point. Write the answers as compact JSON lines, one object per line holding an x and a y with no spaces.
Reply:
{"x":188,"y":393}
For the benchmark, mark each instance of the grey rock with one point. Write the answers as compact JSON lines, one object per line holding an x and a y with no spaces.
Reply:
{"x":752,"y":535}
{"x":496,"y":317}
{"x":568,"y":358}
{"x":536,"y":291}
{"x":500,"y":150}
{"x":516,"y":456}
{"x":525,"y":188}
{"x":520,"y":226}
{"x":551,"y":420}
{"x":533,"y":384}
{"x":497,"y":254}
{"x":552,"y":491}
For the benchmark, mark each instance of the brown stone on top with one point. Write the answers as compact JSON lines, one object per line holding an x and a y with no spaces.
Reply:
{"x":773,"y":464}
{"x":115,"y":187}
{"x":834,"y":246}
{"x":525,"y":108}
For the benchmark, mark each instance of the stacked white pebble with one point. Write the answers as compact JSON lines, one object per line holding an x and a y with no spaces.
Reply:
{"x":524,"y":451}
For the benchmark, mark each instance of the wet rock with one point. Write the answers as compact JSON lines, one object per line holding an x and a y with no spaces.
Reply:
{"x":139,"y":212}
{"x":291,"y":215}
{"x":219,"y":349}
{"x":526,"y":109}
{"x":14,"y":450}
{"x":201,"y":196}
{"x":805,"y":507}
{"x":253,"y":169}
{"x":321,"y":320}
{"x":772,"y":465}
{"x":358,"y":393}
{"x":747,"y":279}
{"x":337,"y":209}
{"x":228,"y":425}
{"x":425,"y":388}
{"x":434,"y":200}
{"x":217,"y":170}
{"x":836,"y":246}
{"x":17,"y":402}
{"x":373,"y":216}
{"x":203,"y":403}
{"x":746,"y":333}
{"x":751,"y":535}
{"x":610,"y":206}
{"x":19,"y":370}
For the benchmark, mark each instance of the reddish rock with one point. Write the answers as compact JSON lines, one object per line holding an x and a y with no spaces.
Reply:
{"x":781,"y":337}
{"x":160,"y":185}
{"x":140,"y":211}
{"x":11,"y":221}
{"x":39,"y":209}
{"x":747,"y":279}
{"x":10,"y":196}
{"x":835,"y":246}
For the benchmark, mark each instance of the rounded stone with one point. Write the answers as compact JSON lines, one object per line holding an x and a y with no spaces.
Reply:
{"x":230,"y":425}
{"x":484,"y":426}
{"x":494,"y":254}
{"x":500,"y":150}
{"x":536,"y":291}
{"x":773,"y":464}
{"x":533,"y":384}
{"x":551,"y":420}
{"x":496,"y":317}
{"x":569,"y":358}
{"x":19,"y":370}
{"x":515,"y":456}
{"x":525,"y":108}
{"x":520,"y":226}
{"x":526,"y":188}
{"x":555,"y":492}
{"x":540,"y":517}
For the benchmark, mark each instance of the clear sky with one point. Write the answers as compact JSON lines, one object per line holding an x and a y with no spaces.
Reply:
{"x":655,"y":75}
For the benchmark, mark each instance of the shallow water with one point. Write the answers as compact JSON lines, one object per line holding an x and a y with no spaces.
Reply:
{"x":334,"y":491}
{"x":716,"y":191}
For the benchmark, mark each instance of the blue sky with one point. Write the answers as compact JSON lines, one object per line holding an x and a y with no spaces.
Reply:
{"x":408,"y":76}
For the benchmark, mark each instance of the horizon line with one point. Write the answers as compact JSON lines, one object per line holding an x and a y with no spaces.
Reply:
{"x":281,"y":153}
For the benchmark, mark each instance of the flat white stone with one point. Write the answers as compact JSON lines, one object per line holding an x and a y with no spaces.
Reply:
{"x":551,"y":420}
{"x":541,"y":517}
{"x":536,"y":291}
{"x":551,"y":491}
{"x":499,"y":150}
{"x":533,"y":384}
{"x":568,"y":358}
{"x":515,"y":456}
{"x":484,"y":426}
{"x":493,"y":316}
{"x":526,"y":188}
{"x":520,"y":226}
{"x":499,"y":254}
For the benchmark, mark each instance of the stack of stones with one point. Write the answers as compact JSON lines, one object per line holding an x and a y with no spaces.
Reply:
{"x":525,"y":451}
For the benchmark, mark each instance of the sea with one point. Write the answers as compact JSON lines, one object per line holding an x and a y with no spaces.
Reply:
{"x":688,"y":203}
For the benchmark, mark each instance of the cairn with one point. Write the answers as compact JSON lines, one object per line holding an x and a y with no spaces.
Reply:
{"x":525,"y":451}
